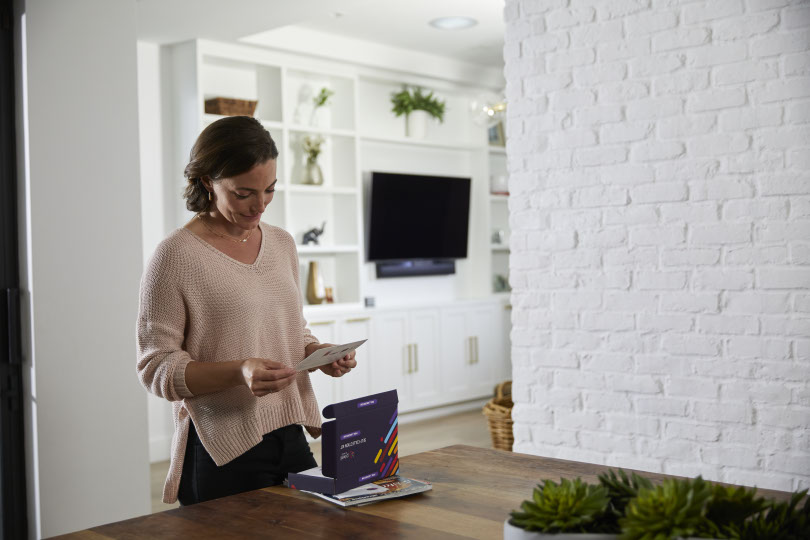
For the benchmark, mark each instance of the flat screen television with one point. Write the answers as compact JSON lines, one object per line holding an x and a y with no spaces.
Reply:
{"x":418,"y":224}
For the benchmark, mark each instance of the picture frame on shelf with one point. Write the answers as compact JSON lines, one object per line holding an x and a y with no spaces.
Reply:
{"x":495,"y":135}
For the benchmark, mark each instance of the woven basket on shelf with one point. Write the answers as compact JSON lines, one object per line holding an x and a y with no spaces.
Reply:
{"x":230,"y":106}
{"x":498,"y":411}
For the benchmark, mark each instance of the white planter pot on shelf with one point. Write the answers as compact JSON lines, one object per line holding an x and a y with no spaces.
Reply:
{"x":416,"y":124}
{"x":510,"y":532}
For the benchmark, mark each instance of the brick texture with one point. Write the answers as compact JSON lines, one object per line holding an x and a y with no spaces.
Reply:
{"x":658,"y":154}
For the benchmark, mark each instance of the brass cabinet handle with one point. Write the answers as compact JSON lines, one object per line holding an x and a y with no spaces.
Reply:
{"x":469,"y":350}
{"x":316,"y":323}
{"x":360,"y":319}
{"x":408,"y":369}
{"x":410,"y":358}
{"x":416,"y":357}
{"x":507,"y":307}
{"x":475,"y":340}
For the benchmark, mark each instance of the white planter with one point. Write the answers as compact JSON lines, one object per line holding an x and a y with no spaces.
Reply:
{"x":510,"y":532}
{"x":416,"y":124}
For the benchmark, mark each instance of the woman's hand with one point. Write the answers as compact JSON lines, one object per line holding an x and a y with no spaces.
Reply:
{"x":338,"y":368}
{"x":263,"y":376}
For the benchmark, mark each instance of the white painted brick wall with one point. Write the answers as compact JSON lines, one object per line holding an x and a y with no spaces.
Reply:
{"x":659,"y":156}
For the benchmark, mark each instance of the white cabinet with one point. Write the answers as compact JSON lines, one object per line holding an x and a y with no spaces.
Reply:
{"x":325,"y":387}
{"x":474,"y":353}
{"x":432,"y":356}
{"x":405,"y":350}
{"x":356,"y":383}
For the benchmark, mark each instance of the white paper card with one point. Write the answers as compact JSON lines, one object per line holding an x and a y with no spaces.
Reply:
{"x":327,"y":355}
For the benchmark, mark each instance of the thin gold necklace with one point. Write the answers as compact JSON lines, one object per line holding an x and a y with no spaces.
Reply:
{"x":226,"y":236}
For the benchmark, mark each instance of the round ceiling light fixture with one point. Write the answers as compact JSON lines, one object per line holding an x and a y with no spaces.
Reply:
{"x":453,"y":23}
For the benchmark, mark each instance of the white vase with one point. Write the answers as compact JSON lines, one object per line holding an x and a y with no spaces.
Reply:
{"x":510,"y":532}
{"x":416,"y":124}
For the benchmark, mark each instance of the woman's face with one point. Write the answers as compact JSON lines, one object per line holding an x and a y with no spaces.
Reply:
{"x":242,"y":199}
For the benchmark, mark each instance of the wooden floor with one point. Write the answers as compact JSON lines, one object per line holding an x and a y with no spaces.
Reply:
{"x":463,"y":428}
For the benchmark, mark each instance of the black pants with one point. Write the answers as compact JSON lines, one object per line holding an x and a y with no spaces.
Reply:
{"x":282,"y":451}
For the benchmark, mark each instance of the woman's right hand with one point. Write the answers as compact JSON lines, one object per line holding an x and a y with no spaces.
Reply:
{"x":263,"y":376}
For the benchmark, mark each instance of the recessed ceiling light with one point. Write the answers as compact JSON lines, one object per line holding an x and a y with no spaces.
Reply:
{"x":453,"y":23}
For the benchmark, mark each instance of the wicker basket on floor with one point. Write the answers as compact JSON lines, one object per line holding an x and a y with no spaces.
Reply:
{"x":230,"y":106}
{"x":498,"y":411}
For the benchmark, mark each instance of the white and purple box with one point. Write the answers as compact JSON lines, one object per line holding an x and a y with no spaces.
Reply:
{"x":359,"y":446}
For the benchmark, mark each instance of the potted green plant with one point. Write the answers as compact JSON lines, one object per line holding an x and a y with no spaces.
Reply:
{"x":630,"y":507}
{"x":417,"y":106}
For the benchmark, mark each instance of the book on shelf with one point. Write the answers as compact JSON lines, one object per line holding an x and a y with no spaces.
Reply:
{"x":383,"y":489}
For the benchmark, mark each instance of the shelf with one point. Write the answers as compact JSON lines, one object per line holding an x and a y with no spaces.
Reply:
{"x":499,"y":247}
{"x":322,"y":131}
{"x":420,"y":142}
{"x":320,"y":190}
{"x":498,"y":197}
{"x":497,"y":150}
{"x":326,"y":250}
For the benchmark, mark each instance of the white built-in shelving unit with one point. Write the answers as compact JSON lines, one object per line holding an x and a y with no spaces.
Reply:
{"x":438,"y":340}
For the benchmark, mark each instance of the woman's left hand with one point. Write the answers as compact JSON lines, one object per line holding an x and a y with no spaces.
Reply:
{"x":338,"y":368}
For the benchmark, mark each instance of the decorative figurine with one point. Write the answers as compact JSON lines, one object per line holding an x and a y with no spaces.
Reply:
{"x":313,"y":234}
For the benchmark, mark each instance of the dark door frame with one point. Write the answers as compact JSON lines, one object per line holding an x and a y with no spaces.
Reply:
{"x":13,"y":508}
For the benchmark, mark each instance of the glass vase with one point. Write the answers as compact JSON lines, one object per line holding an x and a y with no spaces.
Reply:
{"x":312,"y":173}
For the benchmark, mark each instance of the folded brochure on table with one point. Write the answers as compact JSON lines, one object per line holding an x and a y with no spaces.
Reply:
{"x":379,"y":490}
{"x":358,"y":447}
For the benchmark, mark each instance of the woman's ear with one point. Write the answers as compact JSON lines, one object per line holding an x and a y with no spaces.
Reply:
{"x":207,"y":183}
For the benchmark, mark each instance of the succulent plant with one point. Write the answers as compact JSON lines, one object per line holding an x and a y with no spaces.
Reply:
{"x":728,"y":509}
{"x":781,"y":521}
{"x":570,"y":506}
{"x":676,"y":508}
{"x":621,"y":490}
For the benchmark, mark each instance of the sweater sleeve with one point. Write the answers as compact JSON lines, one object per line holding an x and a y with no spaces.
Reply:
{"x":161,"y":328}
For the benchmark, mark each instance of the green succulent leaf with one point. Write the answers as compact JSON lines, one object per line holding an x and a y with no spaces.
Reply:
{"x":570,"y":506}
{"x":676,"y":508}
{"x":621,"y":488}
{"x":780,"y":521}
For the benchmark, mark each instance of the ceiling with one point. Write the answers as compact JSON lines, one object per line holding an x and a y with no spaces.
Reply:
{"x":396,"y":23}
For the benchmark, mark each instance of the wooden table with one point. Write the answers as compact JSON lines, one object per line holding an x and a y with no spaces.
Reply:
{"x":474,"y":489}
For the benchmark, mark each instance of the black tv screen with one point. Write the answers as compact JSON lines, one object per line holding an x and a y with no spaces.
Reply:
{"x":418,"y":217}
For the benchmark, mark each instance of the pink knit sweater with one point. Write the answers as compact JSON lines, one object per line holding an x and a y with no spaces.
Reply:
{"x":199,"y":304}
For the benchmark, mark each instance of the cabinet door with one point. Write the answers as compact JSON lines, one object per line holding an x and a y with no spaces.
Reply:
{"x":486,"y":330}
{"x":356,"y":383}
{"x":389,"y":355}
{"x":324,"y":386}
{"x":425,"y":387}
{"x":457,"y":353}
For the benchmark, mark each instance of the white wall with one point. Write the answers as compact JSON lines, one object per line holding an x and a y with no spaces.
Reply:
{"x":660,"y":212}
{"x":81,"y":222}
{"x":159,"y":200}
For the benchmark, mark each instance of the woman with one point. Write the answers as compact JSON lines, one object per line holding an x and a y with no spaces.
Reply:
{"x":220,"y":326}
